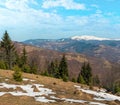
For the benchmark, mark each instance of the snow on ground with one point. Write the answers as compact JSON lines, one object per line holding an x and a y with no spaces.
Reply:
{"x":68,"y":100}
{"x":39,"y":92}
{"x":28,"y":90}
{"x":96,"y":103}
{"x":43,"y":99}
{"x":26,"y":79}
{"x":99,"y":95}
{"x":76,"y":101}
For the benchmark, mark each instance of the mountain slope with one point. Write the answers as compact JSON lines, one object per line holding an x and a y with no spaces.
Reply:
{"x":51,"y":92}
{"x":91,"y":46}
{"x":100,"y":66}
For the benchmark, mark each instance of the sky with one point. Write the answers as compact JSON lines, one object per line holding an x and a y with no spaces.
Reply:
{"x":54,"y":19}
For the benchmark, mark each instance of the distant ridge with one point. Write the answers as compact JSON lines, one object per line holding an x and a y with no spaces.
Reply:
{"x":86,"y":37}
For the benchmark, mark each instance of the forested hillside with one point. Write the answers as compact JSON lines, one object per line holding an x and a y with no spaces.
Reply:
{"x":67,"y":66}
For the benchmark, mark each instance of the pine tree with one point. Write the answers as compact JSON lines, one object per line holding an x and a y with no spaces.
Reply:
{"x":17,"y":74}
{"x":51,"y":69}
{"x":2,"y":65}
{"x":56,"y":69}
{"x":63,"y":68}
{"x":33,"y":67}
{"x":23,"y":63}
{"x":86,"y":73}
{"x":24,"y":57}
{"x":96,"y":81}
{"x":116,"y":87}
{"x":8,"y":50}
{"x":73,"y":80}
{"x":89,"y":74}
{"x":80,"y":79}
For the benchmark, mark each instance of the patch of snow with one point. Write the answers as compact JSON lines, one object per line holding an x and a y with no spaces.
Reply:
{"x":2,"y":93}
{"x":73,"y":101}
{"x":76,"y":101}
{"x":32,"y":80}
{"x":96,"y":103}
{"x":17,"y":93}
{"x":76,"y":86}
{"x":99,"y":99}
{"x":43,"y":99}
{"x":4,"y":85}
{"x":86,"y":37}
{"x":103,"y":90}
{"x":56,"y":98}
{"x":106,"y":96}
{"x":26,"y":79}
{"x":29,"y":91}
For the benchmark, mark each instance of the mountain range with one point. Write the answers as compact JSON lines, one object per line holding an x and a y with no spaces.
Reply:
{"x":103,"y":55}
{"x":104,"y":48}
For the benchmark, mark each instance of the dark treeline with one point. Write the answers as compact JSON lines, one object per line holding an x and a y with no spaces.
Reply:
{"x":11,"y":59}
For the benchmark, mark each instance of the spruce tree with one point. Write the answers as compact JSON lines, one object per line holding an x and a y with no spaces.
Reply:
{"x":89,"y":74}
{"x":17,"y":76}
{"x":86,"y":73}
{"x":56,"y":69}
{"x":51,"y":69}
{"x":80,"y":79}
{"x":96,"y":81}
{"x":24,"y":57}
{"x":116,"y":87}
{"x":23,"y":62}
{"x":63,"y":68}
{"x":8,"y":50}
{"x":33,"y":67}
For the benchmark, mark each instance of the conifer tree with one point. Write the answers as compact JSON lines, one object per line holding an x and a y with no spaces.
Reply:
{"x":51,"y":69}
{"x":85,"y":74}
{"x":56,"y":69}
{"x":23,"y":62}
{"x":63,"y":68}
{"x":96,"y":81}
{"x":116,"y":87}
{"x":80,"y":79}
{"x":8,"y":50}
{"x":89,"y":74}
{"x":17,"y":74}
{"x":33,"y":67}
{"x":24,"y":57}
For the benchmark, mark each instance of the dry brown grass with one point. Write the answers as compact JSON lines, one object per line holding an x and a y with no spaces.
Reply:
{"x":62,"y":89}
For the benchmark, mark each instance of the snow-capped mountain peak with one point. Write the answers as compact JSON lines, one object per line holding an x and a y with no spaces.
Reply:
{"x":86,"y":37}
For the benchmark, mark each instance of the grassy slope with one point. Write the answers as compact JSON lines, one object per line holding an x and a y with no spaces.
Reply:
{"x":62,"y":89}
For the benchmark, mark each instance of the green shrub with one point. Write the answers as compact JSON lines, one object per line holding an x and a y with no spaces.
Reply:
{"x":2,"y":65}
{"x":65,"y":78}
{"x":80,"y":79}
{"x":117,"y":88}
{"x":26,"y":68}
{"x":45,"y":73}
{"x":17,"y":74}
{"x":74,"y":80}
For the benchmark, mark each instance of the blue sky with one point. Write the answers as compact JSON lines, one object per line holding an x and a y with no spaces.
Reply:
{"x":52,"y":19}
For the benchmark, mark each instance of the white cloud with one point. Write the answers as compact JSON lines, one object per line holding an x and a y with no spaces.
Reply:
{"x":18,"y":12}
{"x":19,"y":17}
{"x":67,"y":4}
